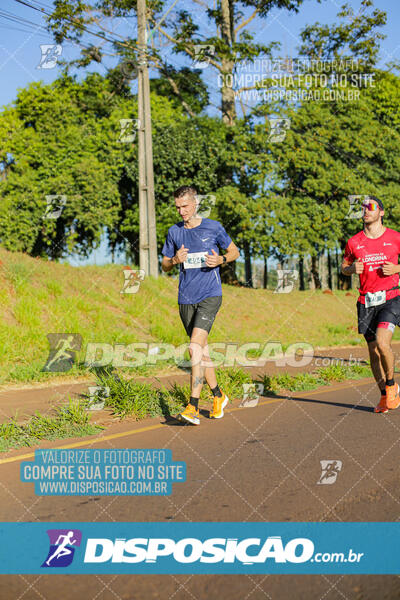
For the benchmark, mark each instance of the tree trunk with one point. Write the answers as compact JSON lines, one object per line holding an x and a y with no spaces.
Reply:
{"x":337,"y":269}
{"x":247,"y":265}
{"x":228,"y":274}
{"x":265,"y":282}
{"x":314,"y":272}
{"x":227,"y":93}
{"x":330,"y":284}
{"x":345,"y":282}
{"x":302,"y":286}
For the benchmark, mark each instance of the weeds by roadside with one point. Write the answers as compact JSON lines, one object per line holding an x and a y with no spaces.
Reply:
{"x":70,"y":420}
{"x":140,"y":400}
{"x":309,"y":381}
{"x":131,"y":398}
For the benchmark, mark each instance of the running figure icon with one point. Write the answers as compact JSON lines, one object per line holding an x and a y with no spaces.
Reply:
{"x":63,"y":349}
{"x":62,"y":549}
{"x":63,"y":545}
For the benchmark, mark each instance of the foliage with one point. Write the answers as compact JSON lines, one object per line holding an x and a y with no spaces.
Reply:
{"x":70,"y":420}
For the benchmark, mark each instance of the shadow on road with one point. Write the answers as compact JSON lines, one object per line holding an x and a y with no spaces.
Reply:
{"x":330,"y":403}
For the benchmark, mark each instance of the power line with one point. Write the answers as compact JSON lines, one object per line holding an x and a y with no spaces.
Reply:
{"x":76,"y":23}
{"x":14,"y":28}
{"x":33,"y":27}
{"x":20,"y":20}
{"x":39,"y":8}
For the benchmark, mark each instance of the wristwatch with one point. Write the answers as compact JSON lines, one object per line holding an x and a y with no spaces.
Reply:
{"x":223,"y":260}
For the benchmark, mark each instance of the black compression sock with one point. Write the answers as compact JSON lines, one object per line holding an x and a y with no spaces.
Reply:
{"x":389,"y":381}
{"x":216,"y":392}
{"x":194,"y":402}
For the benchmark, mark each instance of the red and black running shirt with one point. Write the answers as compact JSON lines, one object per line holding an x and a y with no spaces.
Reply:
{"x":373,"y":253}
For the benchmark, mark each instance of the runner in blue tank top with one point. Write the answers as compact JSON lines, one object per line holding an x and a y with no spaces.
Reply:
{"x":194,"y":245}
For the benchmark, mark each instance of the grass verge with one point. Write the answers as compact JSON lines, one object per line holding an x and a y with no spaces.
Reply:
{"x":127,"y":397}
{"x":308,"y":381}
{"x":70,"y":420}
{"x":140,"y":400}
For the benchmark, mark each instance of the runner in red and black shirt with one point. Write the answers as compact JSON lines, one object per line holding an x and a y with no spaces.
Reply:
{"x":373,"y":254}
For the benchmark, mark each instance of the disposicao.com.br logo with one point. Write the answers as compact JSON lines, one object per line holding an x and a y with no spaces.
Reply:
{"x":191,"y":550}
{"x":196,"y":553}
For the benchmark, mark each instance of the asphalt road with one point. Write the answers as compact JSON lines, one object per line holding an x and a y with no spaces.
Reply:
{"x":256,"y":464}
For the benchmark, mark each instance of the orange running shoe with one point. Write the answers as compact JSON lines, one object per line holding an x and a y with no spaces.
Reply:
{"x":191,"y":414}
{"x":392,"y":396}
{"x":218,"y":407}
{"x":382,"y":406}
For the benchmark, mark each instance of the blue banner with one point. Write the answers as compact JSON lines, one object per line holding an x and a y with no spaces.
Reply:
{"x":212,"y":548}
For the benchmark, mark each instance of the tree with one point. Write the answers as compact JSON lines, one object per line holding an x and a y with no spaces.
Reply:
{"x":57,"y":159}
{"x":334,"y":148}
{"x":84,"y":157}
{"x":186,"y":31}
{"x":231,"y":44}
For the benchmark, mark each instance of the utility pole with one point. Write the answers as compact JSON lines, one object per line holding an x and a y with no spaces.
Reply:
{"x":147,"y":218}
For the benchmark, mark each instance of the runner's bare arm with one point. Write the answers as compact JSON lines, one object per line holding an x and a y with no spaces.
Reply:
{"x":232,"y":252}
{"x":348,"y":268}
{"x":168,"y":263}
{"x":390,"y":268}
{"x":214,"y":259}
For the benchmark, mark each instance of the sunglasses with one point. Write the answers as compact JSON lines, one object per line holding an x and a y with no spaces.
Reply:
{"x":370,"y":205}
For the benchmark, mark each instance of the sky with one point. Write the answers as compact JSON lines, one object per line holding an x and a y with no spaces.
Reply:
{"x":20,"y":52}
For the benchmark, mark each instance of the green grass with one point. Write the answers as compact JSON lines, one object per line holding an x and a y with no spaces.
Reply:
{"x":17,"y":272}
{"x":128,"y":397}
{"x":38,"y":297}
{"x":69,"y":421}
{"x":309,"y":381}
{"x":141,"y":400}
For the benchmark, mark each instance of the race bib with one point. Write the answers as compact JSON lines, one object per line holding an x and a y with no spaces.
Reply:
{"x":195,"y":260}
{"x":375,"y":298}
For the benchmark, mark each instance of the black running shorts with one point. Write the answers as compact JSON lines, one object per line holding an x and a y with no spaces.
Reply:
{"x":387,"y":314}
{"x":200,"y":315}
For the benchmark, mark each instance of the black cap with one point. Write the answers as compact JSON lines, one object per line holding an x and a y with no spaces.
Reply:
{"x":375,"y":199}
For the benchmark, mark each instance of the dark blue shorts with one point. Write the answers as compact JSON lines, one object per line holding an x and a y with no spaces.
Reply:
{"x":200,"y":315}
{"x":369,"y":318}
